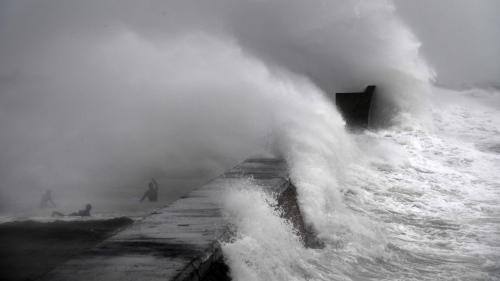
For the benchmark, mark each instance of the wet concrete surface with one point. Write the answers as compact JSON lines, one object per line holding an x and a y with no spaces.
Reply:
{"x":182,"y":240}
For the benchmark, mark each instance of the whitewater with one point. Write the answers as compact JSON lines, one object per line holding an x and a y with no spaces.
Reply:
{"x":419,"y":202}
{"x":184,"y":88}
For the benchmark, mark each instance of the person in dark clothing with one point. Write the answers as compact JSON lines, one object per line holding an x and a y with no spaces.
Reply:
{"x":152,"y":192}
{"x":81,"y":213}
{"x":46,"y":200}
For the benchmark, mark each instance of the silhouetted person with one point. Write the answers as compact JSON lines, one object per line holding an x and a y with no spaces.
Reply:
{"x":81,"y":213}
{"x":46,"y":200}
{"x":152,"y":192}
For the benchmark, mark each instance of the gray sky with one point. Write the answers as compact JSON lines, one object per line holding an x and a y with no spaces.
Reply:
{"x":461,"y":38}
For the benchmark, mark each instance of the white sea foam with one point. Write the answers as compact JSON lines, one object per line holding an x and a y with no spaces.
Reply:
{"x":418,"y":203}
{"x":415,"y":199}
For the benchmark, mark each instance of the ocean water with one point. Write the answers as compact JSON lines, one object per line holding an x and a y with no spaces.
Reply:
{"x":414,"y":198}
{"x":413,"y":201}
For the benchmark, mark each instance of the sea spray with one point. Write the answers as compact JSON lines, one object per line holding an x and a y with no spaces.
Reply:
{"x":261,"y":237}
{"x":97,"y":95}
{"x":109,"y":98}
{"x":418,"y":203}
{"x":318,"y":150}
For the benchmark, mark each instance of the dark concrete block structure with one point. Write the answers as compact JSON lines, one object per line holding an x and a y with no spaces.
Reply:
{"x":355,"y":107}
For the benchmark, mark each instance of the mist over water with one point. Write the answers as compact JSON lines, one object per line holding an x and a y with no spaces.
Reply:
{"x":101,"y":97}
{"x":416,"y":203}
{"x":98,"y":97}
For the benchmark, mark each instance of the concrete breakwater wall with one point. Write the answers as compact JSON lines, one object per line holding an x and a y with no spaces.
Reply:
{"x":181,"y":241}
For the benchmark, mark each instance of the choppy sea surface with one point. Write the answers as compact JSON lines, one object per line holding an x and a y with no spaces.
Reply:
{"x":419,"y":201}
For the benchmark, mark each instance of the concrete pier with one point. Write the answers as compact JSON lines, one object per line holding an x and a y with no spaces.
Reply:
{"x":181,"y":241}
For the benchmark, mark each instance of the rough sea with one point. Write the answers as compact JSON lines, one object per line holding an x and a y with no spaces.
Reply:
{"x":419,"y":201}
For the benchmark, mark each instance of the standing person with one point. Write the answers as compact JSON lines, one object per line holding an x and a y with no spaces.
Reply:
{"x":152,"y":192}
{"x":46,"y":200}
